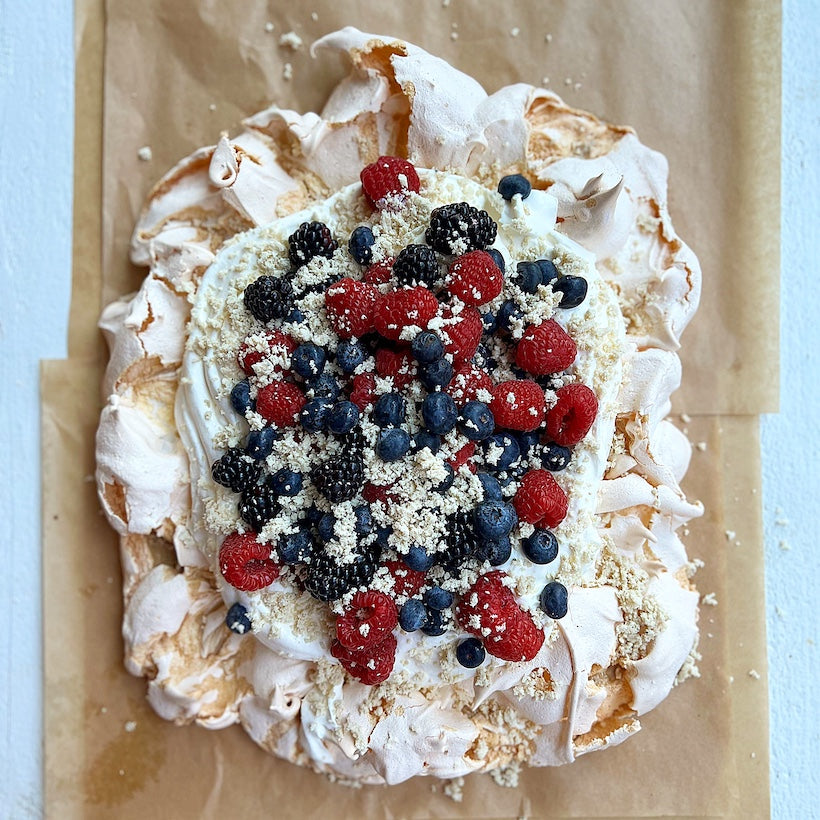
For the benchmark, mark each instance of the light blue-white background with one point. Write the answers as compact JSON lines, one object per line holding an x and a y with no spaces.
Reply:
{"x":36,"y":130}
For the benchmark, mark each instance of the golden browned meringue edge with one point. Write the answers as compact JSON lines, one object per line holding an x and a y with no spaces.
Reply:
{"x":611,"y":194}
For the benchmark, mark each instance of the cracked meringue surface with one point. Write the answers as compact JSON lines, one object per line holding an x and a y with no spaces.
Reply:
{"x":631,"y":630}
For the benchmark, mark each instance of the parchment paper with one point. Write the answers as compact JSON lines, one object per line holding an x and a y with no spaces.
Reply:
{"x":683,"y":74}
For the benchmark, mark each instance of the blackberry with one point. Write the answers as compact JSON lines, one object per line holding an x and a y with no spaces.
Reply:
{"x":460,"y":221}
{"x":258,"y":506}
{"x":354,"y":442}
{"x":328,"y":580}
{"x":309,"y":240}
{"x":269,"y":297}
{"x":416,"y":265}
{"x":236,"y":470}
{"x":460,"y":540}
{"x":340,"y":477}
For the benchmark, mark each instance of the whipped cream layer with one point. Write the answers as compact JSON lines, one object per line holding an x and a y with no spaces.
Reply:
{"x":631,"y":627}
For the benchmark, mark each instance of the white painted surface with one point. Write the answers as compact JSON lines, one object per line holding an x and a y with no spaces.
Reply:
{"x":36,"y":111}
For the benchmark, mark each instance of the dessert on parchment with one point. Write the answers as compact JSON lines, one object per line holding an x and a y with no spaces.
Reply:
{"x":385,"y":435}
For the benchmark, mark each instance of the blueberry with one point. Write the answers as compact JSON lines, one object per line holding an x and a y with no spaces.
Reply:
{"x":285,"y":482}
{"x":308,"y":360}
{"x":349,"y":355}
{"x":238,"y":620}
{"x":364,"y":520}
{"x":489,"y":321}
{"x":498,"y":259}
{"x":573,"y":288}
{"x":360,"y":245}
{"x":492,"y":489}
{"x":417,"y":559}
{"x":324,"y":387}
{"x":514,"y":184}
{"x":494,"y":519}
{"x":527,"y":440}
{"x":470,"y":653}
{"x":555,"y":457}
{"x":260,"y":443}
{"x":447,"y":481}
{"x":412,"y":615}
{"x":434,"y":625}
{"x":325,"y":527}
{"x":549,"y":272}
{"x":541,"y":547}
{"x":295,"y":317}
{"x":392,"y":444}
{"x":436,"y":374}
{"x":527,"y":276}
{"x":389,"y":410}
{"x":241,"y":397}
{"x":382,"y":535}
{"x":343,"y":417}
{"x":477,"y":421}
{"x":427,"y":347}
{"x":509,"y":313}
{"x":482,"y":357}
{"x":314,"y":414}
{"x":500,"y":451}
{"x":497,"y":550}
{"x":295,"y":548}
{"x":439,"y":413}
{"x":426,"y":439}
{"x":314,"y":514}
{"x":554,"y":600}
{"x":438,"y":598}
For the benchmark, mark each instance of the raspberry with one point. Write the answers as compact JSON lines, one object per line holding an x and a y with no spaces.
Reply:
{"x":416,"y":265}
{"x":259,"y":346}
{"x":489,"y":611}
{"x":545,"y":349}
{"x":404,"y":308}
{"x":463,"y":336}
{"x":388,"y":180}
{"x":474,"y":278}
{"x":518,"y":404}
{"x":369,"y":619}
{"x":280,"y":403}
{"x":350,"y":306}
{"x":378,"y":492}
{"x":245,"y":563}
{"x":572,"y":416}
{"x":370,"y":666}
{"x":459,"y":227}
{"x":361,"y":394}
{"x":309,"y":240}
{"x":462,"y":456}
{"x":406,"y":581}
{"x":467,"y":381}
{"x":379,"y":273}
{"x":539,"y":499}
{"x":399,"y":364}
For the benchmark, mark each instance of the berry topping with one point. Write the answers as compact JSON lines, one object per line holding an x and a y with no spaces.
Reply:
{"x":396,"y":364}
{"x":241,"y":400}
{"x":553,"y":600}
{"x":369,"y":619}
{"x":406,"y":581}
{"x":539,"y":500}
{"x":572,"y":416}
{"x":328,"y":580}
{"x":269,"y":297}
{"x":390,"y":410}
{"x":308,"y":360}
{"x":236,"y":470}
{"x":285,"y":482}
{"x":349,"y":355}
{"x":258,"y":506}
{"x":518,"y":404}
{"x":474,"y":278}
{"x":416,"y":265}
{"x":458,"y":228}
{"x":555,"y":457}
{"x":268,"y":344}
{"x":296,"y":548}
{"x":427,"y":347}
{"x":362,"y":391}
{"x":325,"y":387}
{"x":436,"y":374}
{"x":350,"y":306}
{"x":413,"y":307}
{"x":494,"y":519}
{"x":343,"y":417}
{"x":388,"y":180}
{"x":541,"y":547}
{"x":527,"y":276}
{"x":573,"y":288}
{"x":392,"y":444}
{"x":379,"y":273}
{"x":417,"y":559}
{"x":245,"y":563}
{"x":413,"y":615}
{"x":498,"y":259}
{"x":549,"y":272}
{"x":434,"y":623}
{"x":309,"y":240}
{"x":237,"y":619}
{"x":509,"y":315}
{"x":470,"y":653}
{"x":468,"y":380}
{"x":370,"y":666}
{"x":496,"y":550}
{"x":491,"y":487}
{"x":314,"y":413}
{"x":360,"y":244}
{"x":439,"y":413}
{"x":438,"y":598}
{"x":513,"y":185}
{"x":280,"y":403}
{"x":463,"y":333}
{"x":460,"y":540}
{"x":260,"y":443}
{"x":500,"y":451}
{"x":489,"y":611}
{"x":545,"y":349}
{"x":476,"y":422}
{"x":339,"y":478}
